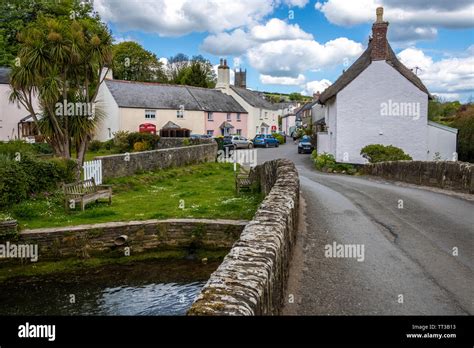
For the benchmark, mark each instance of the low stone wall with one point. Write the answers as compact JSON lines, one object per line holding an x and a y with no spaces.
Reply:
{"x":168,"y":143}
{"x":456,"y":176}
{"x":142,"y":236}
{"x":252,"y":278}
{"x":8,"y":229}
{"x":116,"y":166}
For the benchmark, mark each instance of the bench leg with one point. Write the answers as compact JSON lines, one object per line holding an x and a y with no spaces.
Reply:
{"x":83,"y":206}
{"x":110,"y":200}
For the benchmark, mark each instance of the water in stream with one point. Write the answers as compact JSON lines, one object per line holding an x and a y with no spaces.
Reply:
{"x":144,"y":288}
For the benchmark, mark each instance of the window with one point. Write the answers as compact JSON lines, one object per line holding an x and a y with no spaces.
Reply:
{"x":238,"y":117}
{"x":229,"y":117}
{"x":150,"y":114}
{"x":210,"y":116}
{"x":266,"y":115}
{"x":210,"y":133}
{"x":239,"y":131}
{"x":180,"y":112}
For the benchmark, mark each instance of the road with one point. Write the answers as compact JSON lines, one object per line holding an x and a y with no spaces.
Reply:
{"x":418,"y":246}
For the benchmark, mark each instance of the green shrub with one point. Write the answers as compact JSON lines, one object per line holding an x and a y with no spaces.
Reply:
{"x":380,"y":153}
{"x":109,"y":144}
{"x":95,"y":146}
{"x":140,"y":146}
{"x":323,"y":161}
{"x":31,"y":175}
{"x":13,"y":182}
{"x":326,"y":162}
{"x":121,"y":144}
{"x":280,"y":138}
{"x":14,"y":147}
{"x":186,"y":142}
{"x":137,"y":137}
{"x":42,"y":148}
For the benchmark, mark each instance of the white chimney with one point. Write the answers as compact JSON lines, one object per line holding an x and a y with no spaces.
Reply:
{"x":223,"y":75}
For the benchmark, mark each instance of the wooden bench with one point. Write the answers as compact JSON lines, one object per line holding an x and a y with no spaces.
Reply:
{"x":243,"y":180}
{"x":84,"y":192}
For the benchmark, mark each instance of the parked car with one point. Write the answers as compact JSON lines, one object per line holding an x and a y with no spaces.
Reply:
{"x":305,"y":145}
{"x":200,"y":136}
{"x":237,"y":142}
{"x":265,"y":140}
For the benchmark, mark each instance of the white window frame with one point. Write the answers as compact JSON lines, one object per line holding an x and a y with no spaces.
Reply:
{"x":239,"y":117}
{"x":210,"y":116}
{"x":239,"y":132}
{"x":229,"y":117}
{"x":150,"y":113}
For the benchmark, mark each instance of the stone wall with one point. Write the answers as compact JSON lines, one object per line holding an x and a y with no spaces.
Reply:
{"x":456,"y":176}
{"x":252,"y":278}
{"x":168,"y":143}
{"x":8,"y":229}
{"x":142,"y":236}
{"x":128,"y":164}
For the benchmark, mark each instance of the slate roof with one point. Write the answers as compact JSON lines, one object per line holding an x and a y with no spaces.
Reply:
{"x":171,"y":125}
{"x":361,"y":64}
{"x":162,"y":96}
{"x":253,"y":98}
{"x":4,"y":76}
{"x":307,"y":106}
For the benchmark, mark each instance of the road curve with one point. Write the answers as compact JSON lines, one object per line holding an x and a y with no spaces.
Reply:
{"x":418,"y":247}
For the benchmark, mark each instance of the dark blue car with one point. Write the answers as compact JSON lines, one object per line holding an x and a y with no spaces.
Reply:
{"x":305,"y":145}
{"x":265,"y":140}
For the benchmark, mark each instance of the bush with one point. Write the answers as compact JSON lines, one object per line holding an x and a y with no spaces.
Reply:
{"x":380,"y":153}
{"x":280,"y":138}
{"x":13,"y":182}
{"x":141,"y":146}
{"x":121,"y":144}
{"x":137,"y":137}
{"x":95,"y":146}
{"x":186,"y":142}
{"x":12,"y":147}
{"x":30,"y":175}
{"x":42,"y":148}
{"x":326,"y":162}
{"x":323,"y":161}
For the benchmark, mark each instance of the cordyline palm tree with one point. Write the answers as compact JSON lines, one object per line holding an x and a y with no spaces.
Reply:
{"x":60,"y":61}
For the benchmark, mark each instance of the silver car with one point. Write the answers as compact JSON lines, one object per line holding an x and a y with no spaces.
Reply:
{"x":241,"y":142}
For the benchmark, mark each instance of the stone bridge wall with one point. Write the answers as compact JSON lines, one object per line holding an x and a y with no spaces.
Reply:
{"x":116,"y":166}
{"x":150,"y":235}
{"x":456,"y":176}
{"x":252,"y":278}
{"x":168,"y":143}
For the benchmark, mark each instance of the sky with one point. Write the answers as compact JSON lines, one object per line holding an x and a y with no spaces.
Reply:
{"x":304,"y":45}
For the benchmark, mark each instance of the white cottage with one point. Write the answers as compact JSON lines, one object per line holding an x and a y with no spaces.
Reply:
{"x":380,"y":101}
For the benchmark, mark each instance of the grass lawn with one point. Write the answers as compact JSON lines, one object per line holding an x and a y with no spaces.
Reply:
{"x":206,"y":190}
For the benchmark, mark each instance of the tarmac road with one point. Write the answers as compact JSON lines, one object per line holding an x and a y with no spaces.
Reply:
{"x":418,"y":246}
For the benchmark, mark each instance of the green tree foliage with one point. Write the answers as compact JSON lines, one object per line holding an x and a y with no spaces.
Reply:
{"x":381,"y":153}
{"x":196,"y":71}
{"x":60,"y":60}
{"x":17,"y":14}
{"x":132,"y":62}
{"x":440,"y":110}
{"x":296,"y":97}
{"x":464,"y":122}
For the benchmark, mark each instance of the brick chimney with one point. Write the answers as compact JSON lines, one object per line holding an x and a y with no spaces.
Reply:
{"x":223,"y":75}
{"x":379,"y":37}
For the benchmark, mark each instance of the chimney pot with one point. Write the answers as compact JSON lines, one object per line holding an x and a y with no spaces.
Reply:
{"x":225,"y":62}
{"x":379,"y":13}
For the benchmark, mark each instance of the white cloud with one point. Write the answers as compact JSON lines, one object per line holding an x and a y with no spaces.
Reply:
{"x":451,"y":76}
{"x":239,"y":41}
{"x":222,"y":44}
{"x":421,"y":18}
{"x":286,"y":81}
{"x":289,"y":58}
{"x":181,"y":17}
{"x":164,"y":61}
{"x":296,"y":3}
{"x":276,"y":29}
{"x":315,"y":86}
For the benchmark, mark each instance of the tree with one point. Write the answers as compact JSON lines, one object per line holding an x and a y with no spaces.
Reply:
{"x":464,"y":121}
{"x":17,"y":14}
{"x":133,"y":63}
{"x":60,"y":61}
{"x":196,"y":72}
{"x":296,"y":97}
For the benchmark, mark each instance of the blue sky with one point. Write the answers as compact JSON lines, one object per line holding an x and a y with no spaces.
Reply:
{"x":303,"y":45}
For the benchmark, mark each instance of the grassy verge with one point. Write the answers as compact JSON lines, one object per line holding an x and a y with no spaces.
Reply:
{"x":199,"y":191}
